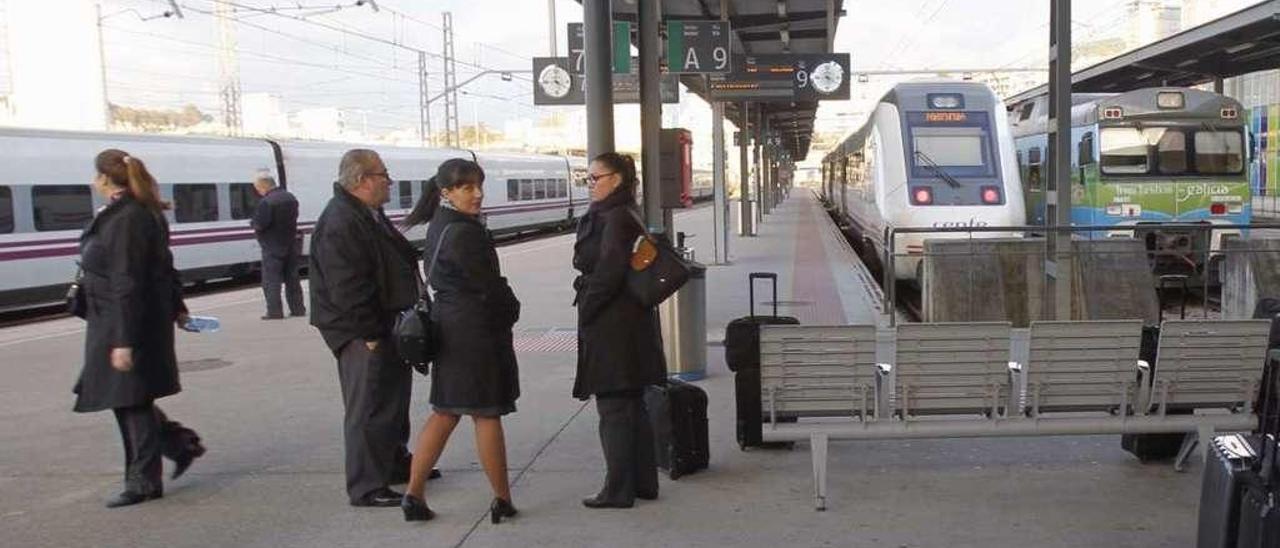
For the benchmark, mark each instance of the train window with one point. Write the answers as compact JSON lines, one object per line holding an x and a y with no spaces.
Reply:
{"x":1124,"y":151}
{"x":406,"y":194}
{"x":562,"y":186}
{"x":195,"y":203}
{"x":6,"y":210}
{"x":1026,"y":111}
{"x":1086,"y":149}
{"x":539,"y":189}
{"x":1216,"y":152}
{"x":1171,"y":149}
{"x":526,"y":189}
{"x":1033,"y":156}
{"x":62,"y":207}
{"x":513,"y":190}
{"x":244,"y":199}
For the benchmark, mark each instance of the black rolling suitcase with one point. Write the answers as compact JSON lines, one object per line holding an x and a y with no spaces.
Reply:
{"x":742,"y":355}
{"x":1231,"y":458}
{"x":742,"y":336}
{"x":1259,"y":508}
{"x":678,"y":411}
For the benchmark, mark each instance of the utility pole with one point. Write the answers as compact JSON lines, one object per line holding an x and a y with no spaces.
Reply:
{"x":450,"y":85}
{"x":551,"y":25}
{"x":424,"y":103}
{"x":228,"y":67}
{"x":102,"y":61}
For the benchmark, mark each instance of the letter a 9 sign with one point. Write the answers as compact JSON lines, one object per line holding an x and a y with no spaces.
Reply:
{"x":698,"y":47}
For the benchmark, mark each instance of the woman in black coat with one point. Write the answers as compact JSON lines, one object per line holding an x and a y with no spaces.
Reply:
{"x":132,"y":297}
{"x":619,"y":342}
{"x":475,"y":371}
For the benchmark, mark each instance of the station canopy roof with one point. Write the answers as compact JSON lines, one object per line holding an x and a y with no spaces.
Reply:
{"x":761,"y":27}
{"x":1242,"y":42}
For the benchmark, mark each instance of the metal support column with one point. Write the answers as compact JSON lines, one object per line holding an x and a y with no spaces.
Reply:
{"x":597,"y":28}
{"x":1058,"y":265}
{"x":424,"y":102}
{"x":766,"y":182}
{"x":720,"y":247}
{"x":745,"y":217}
{"x":759,"y":167}
{"x":651,"y":113}
{"x":1217,"y":85}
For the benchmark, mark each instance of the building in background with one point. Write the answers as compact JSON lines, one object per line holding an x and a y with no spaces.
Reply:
{"x":264,"y":115}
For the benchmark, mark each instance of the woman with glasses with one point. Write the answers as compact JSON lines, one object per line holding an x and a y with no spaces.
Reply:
{"x":619,"y":344}
{"x":475,"y":372}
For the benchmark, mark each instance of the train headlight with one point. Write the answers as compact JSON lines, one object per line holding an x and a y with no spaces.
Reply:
{"x":922,"y":195}
{"x":1170,"y":99}
{"x":990,"y":195}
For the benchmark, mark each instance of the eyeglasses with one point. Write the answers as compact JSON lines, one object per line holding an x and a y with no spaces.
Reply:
{"x":594,"y":178}
{"x":379,"y":174}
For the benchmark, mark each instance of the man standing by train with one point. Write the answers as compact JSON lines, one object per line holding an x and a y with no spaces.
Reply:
{"x":275,"y":221}
{"x":363,"y":274}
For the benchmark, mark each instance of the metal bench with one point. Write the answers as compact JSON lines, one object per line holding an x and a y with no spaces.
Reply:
{"x":957,"y":380}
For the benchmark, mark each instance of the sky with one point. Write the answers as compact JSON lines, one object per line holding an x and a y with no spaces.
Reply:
{"x":170,"y":62}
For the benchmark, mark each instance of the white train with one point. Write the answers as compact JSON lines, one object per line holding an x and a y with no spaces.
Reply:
{"x":933,"y":153}
{"x":46,"y":199}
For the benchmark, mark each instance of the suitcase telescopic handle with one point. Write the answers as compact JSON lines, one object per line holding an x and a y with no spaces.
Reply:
{"x":751,"y":283}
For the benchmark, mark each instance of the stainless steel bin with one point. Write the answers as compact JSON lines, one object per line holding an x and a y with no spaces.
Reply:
{"x":684,"y":327}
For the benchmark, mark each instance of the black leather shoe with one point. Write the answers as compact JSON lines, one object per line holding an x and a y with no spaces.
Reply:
{"x":597,"y":502}
{"x":415,"y":509}
{"x":402,"y":475}
{"x":181,"y":464}
{"x":380,"y":498}
{"x":501,"y":509}
{"x":647,"y":496}
{"x":298,"y":314}
{"x":273,"y":317}
{"x":130,"y":498}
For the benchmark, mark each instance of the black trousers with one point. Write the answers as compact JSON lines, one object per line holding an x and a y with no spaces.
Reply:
{"x":627,"y":438}
{"x":148,"y":434}
{"x":282,"y":269}
{"x":376,"y":388}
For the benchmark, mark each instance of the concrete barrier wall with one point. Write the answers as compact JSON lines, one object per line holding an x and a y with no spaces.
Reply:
{"x":1250,"y":269}
{"x":1002,"y":279}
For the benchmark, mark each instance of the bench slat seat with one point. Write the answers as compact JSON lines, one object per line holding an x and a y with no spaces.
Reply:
{"x":817,"y":370}
{"x":1083,"y":366}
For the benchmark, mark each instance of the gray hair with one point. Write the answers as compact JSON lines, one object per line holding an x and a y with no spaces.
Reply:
{"x":264,"y":177}
{"x":354,"y":166}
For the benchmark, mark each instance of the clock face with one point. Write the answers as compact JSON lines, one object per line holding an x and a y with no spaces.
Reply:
{"x":555,"y":81}
{"x":827,"y":77}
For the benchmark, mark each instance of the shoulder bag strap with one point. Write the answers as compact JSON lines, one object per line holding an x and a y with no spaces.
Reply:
{"x":436,"y":255}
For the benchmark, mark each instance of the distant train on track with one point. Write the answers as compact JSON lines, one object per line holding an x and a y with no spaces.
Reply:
{"x":46,"y":200}
{"x":1142,"y":159}
{"x":934,"y":153}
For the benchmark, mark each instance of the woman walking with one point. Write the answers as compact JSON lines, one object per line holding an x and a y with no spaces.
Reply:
{"x":475,"y":372}
{"x":132,"y":297}
{"x":619,"y":344}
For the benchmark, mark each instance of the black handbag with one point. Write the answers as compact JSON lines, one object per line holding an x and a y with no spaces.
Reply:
{"x":657,"y":269}
{"x":75,"y":298}
{"x":416,"y":337}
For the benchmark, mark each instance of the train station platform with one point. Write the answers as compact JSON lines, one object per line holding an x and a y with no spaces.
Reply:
{"x":265,"y":397}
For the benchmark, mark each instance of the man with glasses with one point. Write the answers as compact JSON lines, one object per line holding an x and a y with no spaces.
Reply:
{"x":363,"y":273}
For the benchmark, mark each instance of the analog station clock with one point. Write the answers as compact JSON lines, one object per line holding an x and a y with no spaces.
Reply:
{"x":555,"y":81}
{"x":827,"y":77}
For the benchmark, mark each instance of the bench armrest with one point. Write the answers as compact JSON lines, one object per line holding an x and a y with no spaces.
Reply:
{"x":1017,"y":389}
{"x":1143,"y":405}
{"x":883,"y":390}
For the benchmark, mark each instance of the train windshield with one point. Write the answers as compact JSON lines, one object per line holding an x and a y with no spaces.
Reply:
{"x":956,"y":142}
{"x":1170,"y":151}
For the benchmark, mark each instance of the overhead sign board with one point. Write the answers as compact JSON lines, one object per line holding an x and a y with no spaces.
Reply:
{"x":620,"y":55}
{"x":698,"y":47}
{"x":785,"y":77}
{"x":555,"y":84}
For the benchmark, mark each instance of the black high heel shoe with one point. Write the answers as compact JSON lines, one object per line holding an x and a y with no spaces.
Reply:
{"x":415,"y":509}
{"x":500,"y":508}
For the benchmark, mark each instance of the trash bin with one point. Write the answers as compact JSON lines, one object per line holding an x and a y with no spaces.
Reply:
{"x":684,"y":327}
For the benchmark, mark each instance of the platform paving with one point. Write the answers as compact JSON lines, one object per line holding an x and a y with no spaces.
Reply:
{"x":265,"y":397}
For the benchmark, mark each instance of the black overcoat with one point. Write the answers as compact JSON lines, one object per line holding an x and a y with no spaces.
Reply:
{"x":474,"y":311}
{"x":363,"y":272}
{"x":619,"y":340}
{"x":133,"y":295}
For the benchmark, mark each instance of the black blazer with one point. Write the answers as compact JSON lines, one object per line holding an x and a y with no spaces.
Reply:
{"x":275,"y":221}
{"x":362,"y":272}
{"x":133,"y":295}
{"x":619,"y":339}
{"x":474,"y":310}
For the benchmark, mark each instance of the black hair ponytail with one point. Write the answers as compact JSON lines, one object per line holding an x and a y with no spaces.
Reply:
{"x":425,"y":209}
{"x":625,"y":166}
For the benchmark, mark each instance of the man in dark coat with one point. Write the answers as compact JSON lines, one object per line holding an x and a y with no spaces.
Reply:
{"x":363,"y":274}
{"x":275,"y":221}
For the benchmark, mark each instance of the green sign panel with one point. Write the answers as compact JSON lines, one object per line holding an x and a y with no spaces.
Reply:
{"x":620,"y":54}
